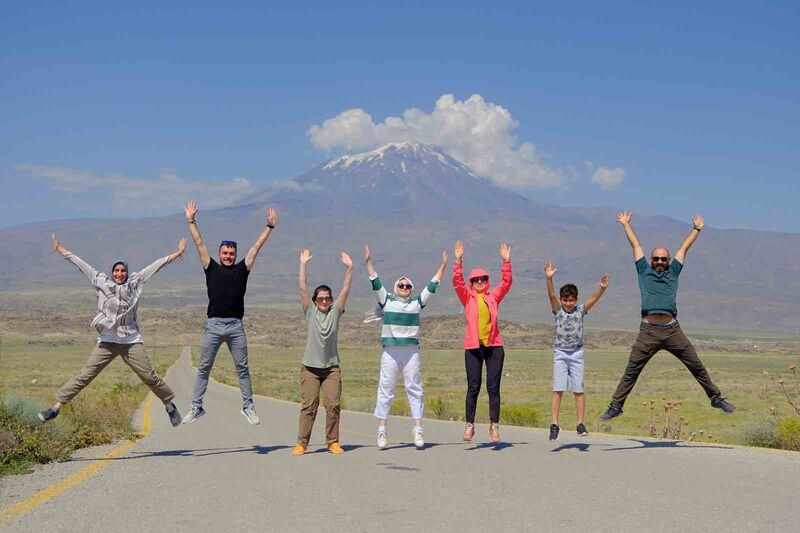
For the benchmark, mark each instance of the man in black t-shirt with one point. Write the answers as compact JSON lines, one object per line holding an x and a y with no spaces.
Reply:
{"x":226,"y":283}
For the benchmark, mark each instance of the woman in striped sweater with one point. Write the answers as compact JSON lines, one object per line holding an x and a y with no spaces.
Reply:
{"x":400,"y":339}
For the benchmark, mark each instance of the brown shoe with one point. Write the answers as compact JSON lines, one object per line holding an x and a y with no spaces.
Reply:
{"x":299,"y":449}
{"x":494,"y":432}
{"x":335,"y":448}
{"x":469,"y":431}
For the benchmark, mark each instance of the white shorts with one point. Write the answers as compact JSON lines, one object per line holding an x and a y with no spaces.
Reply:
{"x":568,"y":370}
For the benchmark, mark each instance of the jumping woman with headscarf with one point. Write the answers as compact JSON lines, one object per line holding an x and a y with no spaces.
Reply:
{"x":117,"y":300}
{"x":482,"y":340}
{"x":400,"y":339}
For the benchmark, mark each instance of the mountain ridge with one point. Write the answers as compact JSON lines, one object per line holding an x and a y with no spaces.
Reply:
{"x":409,"y":201}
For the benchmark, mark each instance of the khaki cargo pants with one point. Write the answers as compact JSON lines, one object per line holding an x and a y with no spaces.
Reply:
{"x":329,"y":380}
{"x":134,"y":356}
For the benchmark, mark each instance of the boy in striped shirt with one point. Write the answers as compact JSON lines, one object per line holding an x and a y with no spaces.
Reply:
{"x":400,"y":339}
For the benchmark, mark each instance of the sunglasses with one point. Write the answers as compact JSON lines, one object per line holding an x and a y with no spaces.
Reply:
{"x":229,"y":243}
{"x":324,"y":299}
{"x":404,"y":286}
{"x":656,"y":258}
{"x":482,"y":279}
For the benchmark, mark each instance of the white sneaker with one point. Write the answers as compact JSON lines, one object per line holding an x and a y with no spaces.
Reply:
{"x":382,"y":438}
{"x":251,"y":416}
{"x":193,"y":414}
{"x":419,"y":442}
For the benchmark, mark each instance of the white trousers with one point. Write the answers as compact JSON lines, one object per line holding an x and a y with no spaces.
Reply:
{"x":393,"y":360}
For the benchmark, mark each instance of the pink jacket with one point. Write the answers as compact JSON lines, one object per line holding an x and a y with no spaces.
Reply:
{"x":469,"y":300}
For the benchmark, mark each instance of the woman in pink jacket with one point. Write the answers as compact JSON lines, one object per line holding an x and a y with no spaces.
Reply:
{"x":482,"y":340}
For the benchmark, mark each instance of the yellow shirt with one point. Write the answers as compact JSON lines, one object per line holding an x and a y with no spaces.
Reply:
{"x":484,"y":321}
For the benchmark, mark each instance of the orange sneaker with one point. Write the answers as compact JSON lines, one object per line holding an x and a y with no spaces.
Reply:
{"x":494,"y":432}
{"x":299,"y":449}
{"x":469,"y":431}
{"x":335,"y":448}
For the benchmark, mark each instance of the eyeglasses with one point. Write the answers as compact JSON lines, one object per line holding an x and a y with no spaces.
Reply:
{"x":662,"y":259}
{"x":323,"y":299}
{"x":482,"y":279}
{"x":403,"y":286}
{"x":229,"y":243}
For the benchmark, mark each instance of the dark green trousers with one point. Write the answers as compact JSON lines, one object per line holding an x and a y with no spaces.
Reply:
{"x":650,"y":341}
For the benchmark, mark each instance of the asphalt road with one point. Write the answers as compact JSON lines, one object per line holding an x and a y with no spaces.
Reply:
{"x":220,"y":473}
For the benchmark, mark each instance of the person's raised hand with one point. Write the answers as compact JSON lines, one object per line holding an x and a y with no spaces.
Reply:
{"x":505,"y":251}
{"x":272,"y":217}
{"x":305,"y":256}
{"x":181,"y":246}
{"x":458,"y":250}
{"x":603,"y":281}
{"x":698,"y":221}
{"x":549,"y":270}
{"x":444,"y":257}
{"x":346,"y":260}
{"x":367,"y":255}
{"x":190,"y":210}
{"x":624,"y":217}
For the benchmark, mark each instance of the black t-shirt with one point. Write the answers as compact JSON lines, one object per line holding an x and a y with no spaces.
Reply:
{"x":226,"y":287}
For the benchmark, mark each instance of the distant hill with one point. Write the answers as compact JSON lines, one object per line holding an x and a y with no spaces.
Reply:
{"x":410,"y":201}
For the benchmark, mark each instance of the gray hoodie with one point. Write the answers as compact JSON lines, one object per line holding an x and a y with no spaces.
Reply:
{"x":116,"y":303}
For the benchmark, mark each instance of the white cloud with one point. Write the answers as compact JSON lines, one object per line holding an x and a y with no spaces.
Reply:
{"x":168,"y":191}
{"x":351,"y":129}
{"x":476,"y":132}
{"x":609,"y":178}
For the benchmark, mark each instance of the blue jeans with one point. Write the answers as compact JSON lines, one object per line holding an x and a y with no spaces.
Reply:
{"x":231,"y":332}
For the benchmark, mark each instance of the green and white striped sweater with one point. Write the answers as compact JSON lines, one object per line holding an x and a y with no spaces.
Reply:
{"x":401,"y":316}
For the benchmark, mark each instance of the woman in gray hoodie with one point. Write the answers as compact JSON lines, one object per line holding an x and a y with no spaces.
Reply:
{"x":117,"y":300}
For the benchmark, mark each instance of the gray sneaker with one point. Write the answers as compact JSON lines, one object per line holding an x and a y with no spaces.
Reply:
{"x":612,"y":412}
{"x":174,"y":415}
{"x":193,"y":414}
{"x":720,"y":403}
{"x":249,"y":413}
{"x":48,"y":414}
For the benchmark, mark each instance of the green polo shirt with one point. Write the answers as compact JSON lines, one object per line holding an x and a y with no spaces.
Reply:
{"x":658,"y":289}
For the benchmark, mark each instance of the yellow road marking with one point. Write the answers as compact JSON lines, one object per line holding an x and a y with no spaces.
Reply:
{"x":47,"y":494}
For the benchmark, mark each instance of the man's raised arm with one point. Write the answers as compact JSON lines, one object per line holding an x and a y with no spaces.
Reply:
{"x":624,"y":218}
{"x":687,"y":243}
{"x":191,"y":212}
{"x":272,"y":217}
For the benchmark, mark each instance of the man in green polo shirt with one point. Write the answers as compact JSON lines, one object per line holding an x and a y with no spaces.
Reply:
{"x":659,"y":330}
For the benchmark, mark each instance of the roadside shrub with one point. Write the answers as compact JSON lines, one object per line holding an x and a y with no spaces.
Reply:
{"x":520,"y":415}
{"x":98,"y":419}
{"x":400,"y":407}
{"x":789,"y":433}
{"x":23,"y":443}
{"x":762,"y":433}
{"x":667,"y":423}
{"x":441,"y":408}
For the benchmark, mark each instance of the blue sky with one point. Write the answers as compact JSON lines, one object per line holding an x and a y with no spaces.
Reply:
{"x":115,"y":111}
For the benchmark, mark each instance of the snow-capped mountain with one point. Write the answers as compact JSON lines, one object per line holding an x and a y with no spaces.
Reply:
{"x":411,"y":179}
